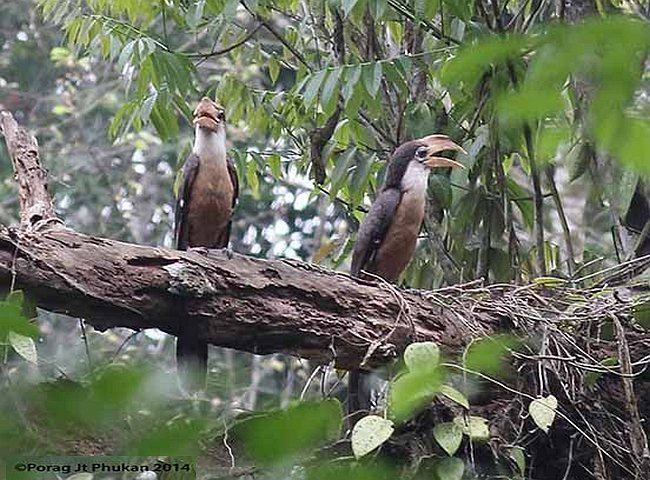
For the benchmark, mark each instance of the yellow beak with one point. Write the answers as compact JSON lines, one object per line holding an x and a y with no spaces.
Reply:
{"x":439,"y":143}
{"x":206,"y":114}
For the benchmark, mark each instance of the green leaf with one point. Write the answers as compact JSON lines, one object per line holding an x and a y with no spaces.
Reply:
{"x":23,"y":346}
{"x":313,"y":86}
{"x":252,"y":179}
{"x":329,"y":88}
{"x":377,"y":8}
{"x":519,"y":457}
{"x":369,"y":433}
{"x":452,"y":394}
{"x":61,"y":110}
{"x":273,"y":437}
{"x":274,"y":69}
{"x":275,"y":164}
{"x":550,"y":281}
{"x":352,"y":75}
{"x":449,"y":436}
{"x":487,"y":355}
{"x":542,"y":411}
{"x":427,"y":9}
{"x":371,"y":78}
{"x":473,"y":60}
{"x":591,"y":378}
{"x":17,"y":297}
{"x":359,"y":181}
{"x":348,"y":5}
{"x":450,"y":469}
{"x":59,"y":54}
{"x":621,"y":191}
{"x":339,"y":174}
{"x":412,"y":392}
{"x":476,"y":428}
{"x":422,"y":355}
{"x":12,"y":319}
{"x":394,"y":75}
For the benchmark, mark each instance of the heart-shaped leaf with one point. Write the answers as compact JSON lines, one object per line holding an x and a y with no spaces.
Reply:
{"x":413,"y":391}
{"x":421,"y":355}
{"x":369,"y":433}
{"x":488,"y":354}
{"x":542,"y":410}
{"x":517,"y":454}
{"x":477,"y":428}
{"x":449,"y":436}
{"x":24,"y":346}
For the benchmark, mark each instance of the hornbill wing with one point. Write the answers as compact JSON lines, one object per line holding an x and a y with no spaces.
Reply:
{"x":373,"y":229}
{"x":188,"y":175}
{"x":234,"y":179}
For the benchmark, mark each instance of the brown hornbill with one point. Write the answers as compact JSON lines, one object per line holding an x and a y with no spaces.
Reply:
{"x":388,"y":234}
{"x":204,"y":207}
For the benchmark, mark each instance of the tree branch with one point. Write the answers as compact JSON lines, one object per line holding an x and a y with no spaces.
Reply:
{"x":35,"y":203}
{"x":240,"y":302}
{"x":250,"y":304}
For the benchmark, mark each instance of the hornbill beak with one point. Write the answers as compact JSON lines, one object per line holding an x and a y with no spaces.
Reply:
{"x":208,"y":114}
{"x":439,"y":143}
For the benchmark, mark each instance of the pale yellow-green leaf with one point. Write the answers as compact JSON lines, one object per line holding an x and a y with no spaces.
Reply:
{"x":421,"y":355}
{"x":476,"y":428}
{"x":542,"y":410}
{"x":23,"y":346}
{"x":550,"y":281}
{"x":274,"y":69}
{"x":275,"y":164}
{"x":452,"y":394}
{"x":449,"y":436}
{"x":59,"y":54}
{"x":517,"y":454}
{"x":61,"y":110}
{"x":252,"y":179}
{"x":369,"y":433}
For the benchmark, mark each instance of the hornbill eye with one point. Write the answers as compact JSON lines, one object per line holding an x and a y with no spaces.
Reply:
{"x":221,"y":115}
{"x":422,"y":152}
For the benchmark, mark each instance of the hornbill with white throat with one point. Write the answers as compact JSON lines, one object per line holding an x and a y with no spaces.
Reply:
{"x":388,"y":234}
{"x":204,"y":206}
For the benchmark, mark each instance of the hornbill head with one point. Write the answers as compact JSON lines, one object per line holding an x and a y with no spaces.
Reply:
{"x":421,"y":156}
{"x":210,"y":115}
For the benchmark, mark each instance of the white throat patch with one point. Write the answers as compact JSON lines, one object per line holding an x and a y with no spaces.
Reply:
{"x":209,"y":144}
{"x":415,"y":178}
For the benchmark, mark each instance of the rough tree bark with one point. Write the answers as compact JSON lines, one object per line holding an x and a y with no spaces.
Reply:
{"x":240,"y":302}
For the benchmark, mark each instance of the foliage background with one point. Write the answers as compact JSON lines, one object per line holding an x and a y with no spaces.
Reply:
{"x":553,"y":116}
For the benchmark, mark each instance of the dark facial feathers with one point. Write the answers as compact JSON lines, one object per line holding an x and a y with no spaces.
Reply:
{"x":399,"y":162}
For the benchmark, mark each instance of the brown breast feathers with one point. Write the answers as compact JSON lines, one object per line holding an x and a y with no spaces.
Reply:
{"x":210,"y":208}
{"x":398,"y":245}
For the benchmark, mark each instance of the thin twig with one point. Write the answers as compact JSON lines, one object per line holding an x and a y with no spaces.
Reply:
{"x":228,"y":49}
{"x":85,"y":339}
